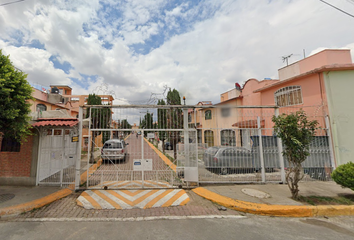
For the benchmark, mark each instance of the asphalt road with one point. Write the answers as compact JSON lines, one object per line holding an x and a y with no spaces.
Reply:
{"x":254,"y":227}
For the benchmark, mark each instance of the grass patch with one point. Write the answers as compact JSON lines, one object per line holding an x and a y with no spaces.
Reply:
{"x":318,"y":200}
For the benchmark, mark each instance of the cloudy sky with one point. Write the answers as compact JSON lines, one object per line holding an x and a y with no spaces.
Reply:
{"x":133,"y":48}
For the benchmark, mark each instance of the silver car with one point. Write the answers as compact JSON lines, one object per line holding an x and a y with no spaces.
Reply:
{"x":224,"y":160}
{"x":113,"y":150}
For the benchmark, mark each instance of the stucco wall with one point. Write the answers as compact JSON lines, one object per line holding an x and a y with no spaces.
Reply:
{"x":339,"y":88}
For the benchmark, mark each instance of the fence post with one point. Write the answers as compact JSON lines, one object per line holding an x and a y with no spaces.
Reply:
{"x":142,"y":157}
{"x":280,"y":153}
{"x":261,"y":148}
{"x":89,"y":150}
{"x":62,"y":156}
{"x":78,"y":152}
{"x":331,"y":151}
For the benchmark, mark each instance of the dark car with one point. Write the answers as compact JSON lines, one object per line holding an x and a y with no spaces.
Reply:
{"x":224,"y":160}
{"x":168,"y":146}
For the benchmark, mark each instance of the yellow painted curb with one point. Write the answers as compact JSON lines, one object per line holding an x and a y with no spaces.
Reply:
{"x":92,"y":169}
{"x":162,"y":156}
{"x":21,"y":208}
{"x":274,"y":210}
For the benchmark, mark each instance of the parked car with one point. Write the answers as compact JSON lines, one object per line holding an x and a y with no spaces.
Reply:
{"x":114,"y":150}
{"x":224,"y":160}
{"x":139,"y":133}
{"x":168,"y":146}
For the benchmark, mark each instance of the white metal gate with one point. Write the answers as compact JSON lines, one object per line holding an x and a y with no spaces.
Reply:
{"x":203,"y":144}
{"x":57,"y":157}
{"x":146,"y":164}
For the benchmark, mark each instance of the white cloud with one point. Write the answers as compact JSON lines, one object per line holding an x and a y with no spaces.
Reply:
{"x":218,"y":44}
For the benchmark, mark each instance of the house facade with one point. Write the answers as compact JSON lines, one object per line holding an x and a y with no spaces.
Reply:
{"x":320,"y":85}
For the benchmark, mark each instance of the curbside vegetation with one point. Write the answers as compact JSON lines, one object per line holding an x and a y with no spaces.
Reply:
{"x":275,"y":210}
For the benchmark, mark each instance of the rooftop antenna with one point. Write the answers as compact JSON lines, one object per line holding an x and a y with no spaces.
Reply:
{"x":285,"y":58}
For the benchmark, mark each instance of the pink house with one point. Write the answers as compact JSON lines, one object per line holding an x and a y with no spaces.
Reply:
{"x":317,"y":84}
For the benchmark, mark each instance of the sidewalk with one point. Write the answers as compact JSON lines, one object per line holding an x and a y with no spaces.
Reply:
{"x":275,"y":199}
{"x":18,"y":199}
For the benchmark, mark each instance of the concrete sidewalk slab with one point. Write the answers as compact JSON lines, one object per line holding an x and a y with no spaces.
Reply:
{"x":25,"y":194}
{"x":37,"y":203}
{"x":280,"y":194}
{"x":280,"y":203}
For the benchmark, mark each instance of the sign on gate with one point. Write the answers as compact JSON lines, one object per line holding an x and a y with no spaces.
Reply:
{"x":142,"y":164}
{"x":150,"y":135}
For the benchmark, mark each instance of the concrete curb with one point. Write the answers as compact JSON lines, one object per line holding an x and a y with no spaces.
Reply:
{"x":38,"y":203}
{"x":25,"y":207}
{"x":162,"y":156}
{"x":274,"y":210}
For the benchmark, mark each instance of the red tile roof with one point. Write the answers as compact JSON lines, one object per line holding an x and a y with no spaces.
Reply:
{"x":56,"y":122}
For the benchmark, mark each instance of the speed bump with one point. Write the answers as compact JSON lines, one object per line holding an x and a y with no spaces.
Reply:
{"x":129,"y":199}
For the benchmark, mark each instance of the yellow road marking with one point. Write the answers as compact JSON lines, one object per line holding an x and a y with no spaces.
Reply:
{"x":184,"y":202}
{"x":109,"y":200}
{"x":93,"y":202}
{"x":173,"y":199}
{"x":155,"y":200}
{"x":142,"y":198}
{"x":121,"y":198}
{"x":132,"y":194}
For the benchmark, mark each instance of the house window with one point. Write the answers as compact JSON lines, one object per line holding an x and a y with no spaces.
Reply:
{"x":10,"y":145}
{"x":57,"y":132}
{"x":189,"y":117}
{"x":228,"y":137}
{"x":288,"y":96}
{"x":207,"y":114}
{"x":41,"y":107}
{"x":209,"y":138}
{"x":225,"y":112}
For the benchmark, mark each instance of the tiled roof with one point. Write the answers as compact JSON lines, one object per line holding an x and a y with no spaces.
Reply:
{"x":69,"y":122}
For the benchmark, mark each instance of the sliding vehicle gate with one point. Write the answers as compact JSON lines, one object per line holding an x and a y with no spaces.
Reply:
{"x":136,"y":157}
{"x":171,"y":146}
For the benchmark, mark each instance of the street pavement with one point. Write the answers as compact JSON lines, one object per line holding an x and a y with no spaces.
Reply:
{"x":248,"y":228}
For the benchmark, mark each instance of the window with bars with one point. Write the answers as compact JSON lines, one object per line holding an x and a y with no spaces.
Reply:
{"x":288,"y":96}
{"x":228,"y":137}
{"x":209,"y":138}
{"x":41,"y":107}
{"x":9,"y":144}
{"x":207,"y":114}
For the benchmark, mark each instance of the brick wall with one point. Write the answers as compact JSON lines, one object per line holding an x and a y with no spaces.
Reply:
{"x":17,"y":164}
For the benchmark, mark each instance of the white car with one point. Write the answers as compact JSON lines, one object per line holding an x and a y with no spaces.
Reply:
{"x":113,"y":150}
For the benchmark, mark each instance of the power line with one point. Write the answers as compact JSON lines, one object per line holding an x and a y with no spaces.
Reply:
{"x":337,"y":8}
{"x":8,"y":3}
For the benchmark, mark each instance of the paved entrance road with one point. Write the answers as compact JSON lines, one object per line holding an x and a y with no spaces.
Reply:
{"x":121,"y":171}
{"x":209,"y":229}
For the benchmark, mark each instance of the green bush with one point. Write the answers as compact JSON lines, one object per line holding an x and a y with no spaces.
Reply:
{"x":344,"y":175}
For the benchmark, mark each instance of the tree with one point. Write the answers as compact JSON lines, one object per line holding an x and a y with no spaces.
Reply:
{"x":15,"y":92}
{"x":296,"y":132}
{"x":147,"y":122}
{"x":124,"y":124}
{"x":100,"y":119}
{"x":174,"y":118}
{"x":162,"y":122}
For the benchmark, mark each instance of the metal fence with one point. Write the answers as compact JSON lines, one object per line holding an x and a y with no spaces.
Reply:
{"x":245,"y":149}
{"x":169,"y":146}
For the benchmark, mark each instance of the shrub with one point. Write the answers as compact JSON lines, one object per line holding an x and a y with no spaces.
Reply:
{"x":344,"y":175}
